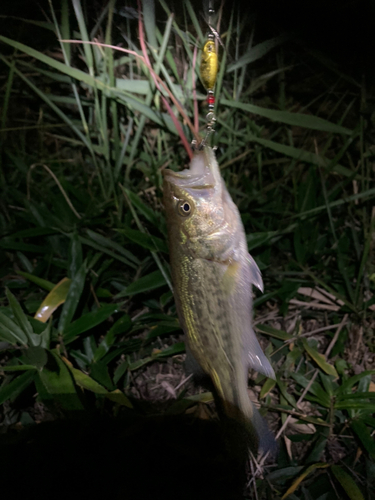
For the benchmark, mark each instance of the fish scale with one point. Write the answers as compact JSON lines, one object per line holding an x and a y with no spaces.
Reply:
{"x":214,"y":326}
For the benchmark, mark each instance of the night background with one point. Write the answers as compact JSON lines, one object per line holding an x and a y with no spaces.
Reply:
{"x":95,"y":397}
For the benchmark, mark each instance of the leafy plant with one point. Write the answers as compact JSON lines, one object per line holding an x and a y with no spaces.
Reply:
{"x":88,"y":306}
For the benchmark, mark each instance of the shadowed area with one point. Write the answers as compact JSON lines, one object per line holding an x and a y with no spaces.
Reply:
{"x":113,"y":458}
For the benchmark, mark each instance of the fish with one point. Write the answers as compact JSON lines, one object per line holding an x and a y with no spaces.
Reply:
{"x":212,"y":274}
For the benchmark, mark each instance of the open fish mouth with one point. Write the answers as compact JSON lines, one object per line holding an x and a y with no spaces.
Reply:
{"x":202,"y":173}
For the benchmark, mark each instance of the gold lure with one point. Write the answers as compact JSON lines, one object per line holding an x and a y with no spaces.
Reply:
{"x":209,"y":65}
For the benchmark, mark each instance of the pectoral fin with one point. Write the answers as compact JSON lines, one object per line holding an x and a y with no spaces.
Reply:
{"x":255,"y":274}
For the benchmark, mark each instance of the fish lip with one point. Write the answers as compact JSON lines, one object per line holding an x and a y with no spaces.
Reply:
{"x":198,"y":176}
{"x":187,"y":181}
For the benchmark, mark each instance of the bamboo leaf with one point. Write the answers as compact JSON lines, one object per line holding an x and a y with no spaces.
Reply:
{"x":17,"y":368}
{"x":314,"y":388}
{"x":347,"y":482}
{"x":36,"y":356}
{"x":20,"y":317}
{"x":177,"y":348}
{"x":320,"y":359}
{"x":16,"y":386}
{"x":348,"y":384}
{"x":86,"y":382}
{"x":72,"y":298}
{"x":303,"y":476}
{"x":42,"y":283}
{"x":88,"y":321}
{"x":53,"y":300}
{"x":119,"y":397}
{"x":364,"y":435}
{"x":268,"y":385}
{"x":273,"y":332}
{"x":10,"y":331}
{"x":145,"y":284}
{"x":58,"y":383}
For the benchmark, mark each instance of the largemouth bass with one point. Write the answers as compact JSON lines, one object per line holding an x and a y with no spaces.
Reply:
{"x":213,"y":274}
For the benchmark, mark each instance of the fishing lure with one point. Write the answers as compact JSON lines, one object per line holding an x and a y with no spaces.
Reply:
{"x":209,"y":64}
{"x":209,"y":68}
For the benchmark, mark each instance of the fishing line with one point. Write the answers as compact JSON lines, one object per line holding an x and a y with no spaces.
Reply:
{"x":208,"y":72}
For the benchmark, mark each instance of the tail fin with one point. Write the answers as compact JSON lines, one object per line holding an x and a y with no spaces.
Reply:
{"x":266,"y":439}
{"x":246,"y":428}
{"x":243,"y":425}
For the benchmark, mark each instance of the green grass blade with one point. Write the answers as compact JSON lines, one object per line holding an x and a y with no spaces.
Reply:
{"x":46,"y":99}
{"x":257,"y":52}
{"x":145,"y":284}
{"x":89,"y":58}
{"x":195,"y":21}
{"x":149,"y":20}
{"x":88,"y":321}
{"x":108,"y":243}
{"x":58,"y":384}
{"x":364,"y":435}
{"x":294,"y":119}
{"x":11,"y":332}
{"x":20,"y":316}
{"x":16,"y":386}
{"x":347,"y":482}
{"x":72,"y":299}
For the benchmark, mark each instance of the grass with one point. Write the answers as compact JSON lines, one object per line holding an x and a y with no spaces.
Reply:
{"x":86,"y":131}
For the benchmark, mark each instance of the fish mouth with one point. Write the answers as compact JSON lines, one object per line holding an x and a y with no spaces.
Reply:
{"x":201,"y":174}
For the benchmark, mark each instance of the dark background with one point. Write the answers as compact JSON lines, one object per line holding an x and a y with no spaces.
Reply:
{"x":343,"y":30}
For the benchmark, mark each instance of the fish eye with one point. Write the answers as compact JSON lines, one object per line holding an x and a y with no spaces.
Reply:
{"x":184,"y":208}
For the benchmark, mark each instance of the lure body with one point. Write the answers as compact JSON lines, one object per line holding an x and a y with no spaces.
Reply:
{"x":209,"y":65}
{"x":213,"y":274}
